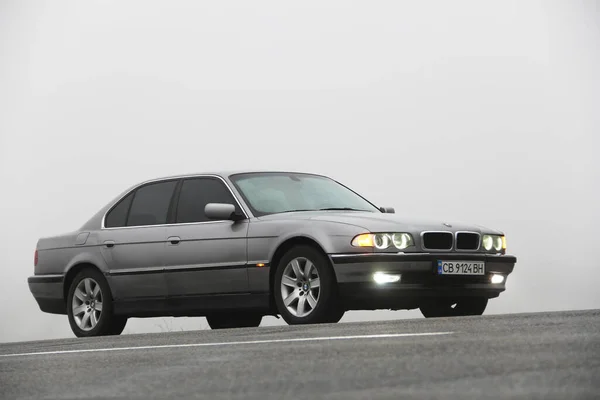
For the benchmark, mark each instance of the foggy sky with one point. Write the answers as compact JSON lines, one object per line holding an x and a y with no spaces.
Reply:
{"x":482,"y":112}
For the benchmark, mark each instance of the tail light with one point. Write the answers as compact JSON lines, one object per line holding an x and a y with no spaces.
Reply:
{"x":35,"y":258}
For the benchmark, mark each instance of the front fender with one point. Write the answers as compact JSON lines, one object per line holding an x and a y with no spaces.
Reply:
{"x":265,"y":237}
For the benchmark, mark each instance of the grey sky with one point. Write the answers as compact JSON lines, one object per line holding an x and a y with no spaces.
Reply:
{"x":484,"y":112}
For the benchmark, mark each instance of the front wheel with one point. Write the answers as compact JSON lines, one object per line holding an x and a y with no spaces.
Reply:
{"x":90,"y":308}
{"x":305,"y":288}
{"x":234,"y":320}
{"x":454,"y":308}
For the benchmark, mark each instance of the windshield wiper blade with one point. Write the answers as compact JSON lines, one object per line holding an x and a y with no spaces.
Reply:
{"x":322,"y":209}
{"x":340,"y":209}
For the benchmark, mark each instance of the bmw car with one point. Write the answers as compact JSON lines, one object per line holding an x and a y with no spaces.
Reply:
{"x":234,"y":247}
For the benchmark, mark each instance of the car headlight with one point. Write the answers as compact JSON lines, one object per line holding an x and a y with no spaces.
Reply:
{"x":496,"y":242}
{"x":402,"y":240}
{"x":382,"y":241}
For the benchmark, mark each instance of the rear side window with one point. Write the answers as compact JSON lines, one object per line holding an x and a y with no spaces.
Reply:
{"x":196,"y":194}
{"x":117,"y":217}
{"x":151,"y":204}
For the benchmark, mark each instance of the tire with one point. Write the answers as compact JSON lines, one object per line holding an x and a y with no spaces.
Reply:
{"x":90,"y":319}
{"x":234,"y":320}
{"x":118,"y":325}
{"x":336,"y":315}
{"x":454,"y":308}
{"x":297,"y":298}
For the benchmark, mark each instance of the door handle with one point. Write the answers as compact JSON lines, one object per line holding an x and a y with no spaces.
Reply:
{"x":109,"y":243}
{"x":174,"y":240}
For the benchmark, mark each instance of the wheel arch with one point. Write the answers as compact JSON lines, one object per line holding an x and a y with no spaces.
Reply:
{"x":73,"y":270}
{"x":284,"y":247}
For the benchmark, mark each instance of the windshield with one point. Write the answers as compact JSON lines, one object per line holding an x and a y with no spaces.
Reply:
{"x":271,"y":193}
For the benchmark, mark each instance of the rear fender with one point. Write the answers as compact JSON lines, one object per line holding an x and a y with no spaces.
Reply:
{"x":88,"y":257}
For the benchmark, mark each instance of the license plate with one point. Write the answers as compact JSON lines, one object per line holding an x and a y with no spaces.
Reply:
{"x":460,"y":267}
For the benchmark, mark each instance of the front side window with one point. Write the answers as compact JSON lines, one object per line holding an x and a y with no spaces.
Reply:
{"x":196,"y":193}
{"x":270,"y":193}
{"x":151,"y":204}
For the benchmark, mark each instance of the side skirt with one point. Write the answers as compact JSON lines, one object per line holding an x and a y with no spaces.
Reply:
{"x":192,"y":306}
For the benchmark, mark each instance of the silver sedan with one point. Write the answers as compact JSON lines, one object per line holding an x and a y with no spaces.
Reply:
{"x":234,"y":247}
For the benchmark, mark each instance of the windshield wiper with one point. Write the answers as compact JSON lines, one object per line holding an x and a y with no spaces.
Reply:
{"x":322,"y":209}
{"x":340,"y":209}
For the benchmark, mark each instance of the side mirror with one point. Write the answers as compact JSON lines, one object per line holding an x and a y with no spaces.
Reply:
{"x":222,"y":211}
{"x":387,"y":210}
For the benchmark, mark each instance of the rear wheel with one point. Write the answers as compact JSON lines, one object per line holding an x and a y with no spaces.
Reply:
{"x":454,"y":308}
{"x":90,"y":308}
{"x":305,"y":288}
{"x":234,"y":320}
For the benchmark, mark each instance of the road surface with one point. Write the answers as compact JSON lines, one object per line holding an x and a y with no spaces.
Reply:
{"x":528,"y":356}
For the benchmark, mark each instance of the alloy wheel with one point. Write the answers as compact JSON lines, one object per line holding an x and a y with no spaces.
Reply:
{"x":300,"y":287}
{"x":87,"y":304}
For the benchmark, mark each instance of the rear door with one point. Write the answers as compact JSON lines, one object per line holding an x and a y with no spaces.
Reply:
{"x":134,"y":240}
{"x":204,"y":256}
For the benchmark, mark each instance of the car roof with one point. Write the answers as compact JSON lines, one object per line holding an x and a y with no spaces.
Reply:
{"x":228,"y":173}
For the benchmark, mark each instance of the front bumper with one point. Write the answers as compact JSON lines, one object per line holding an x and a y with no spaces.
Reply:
{"x":48,"y":292}
{"x":419,"y":278}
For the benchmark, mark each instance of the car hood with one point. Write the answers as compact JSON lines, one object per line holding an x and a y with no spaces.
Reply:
{"x":380,"y":222}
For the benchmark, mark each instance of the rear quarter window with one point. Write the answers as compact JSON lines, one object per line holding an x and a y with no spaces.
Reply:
{"x":117,"y":217}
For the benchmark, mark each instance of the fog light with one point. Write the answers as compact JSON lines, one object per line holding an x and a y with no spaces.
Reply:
{"x":382,"y":277}
{"x":497,"y":279}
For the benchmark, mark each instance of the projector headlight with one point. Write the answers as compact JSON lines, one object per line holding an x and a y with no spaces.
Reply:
{"x":487,"y":242}
{"x":402,"y":240}
{"x":381,"y":241}
{"x":497,"y":243}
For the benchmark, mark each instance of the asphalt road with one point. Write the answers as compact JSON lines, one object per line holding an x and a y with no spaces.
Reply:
{"x":529,"y":356}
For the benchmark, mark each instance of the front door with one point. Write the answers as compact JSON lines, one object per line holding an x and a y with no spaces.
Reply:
{"x":204,"y":256}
